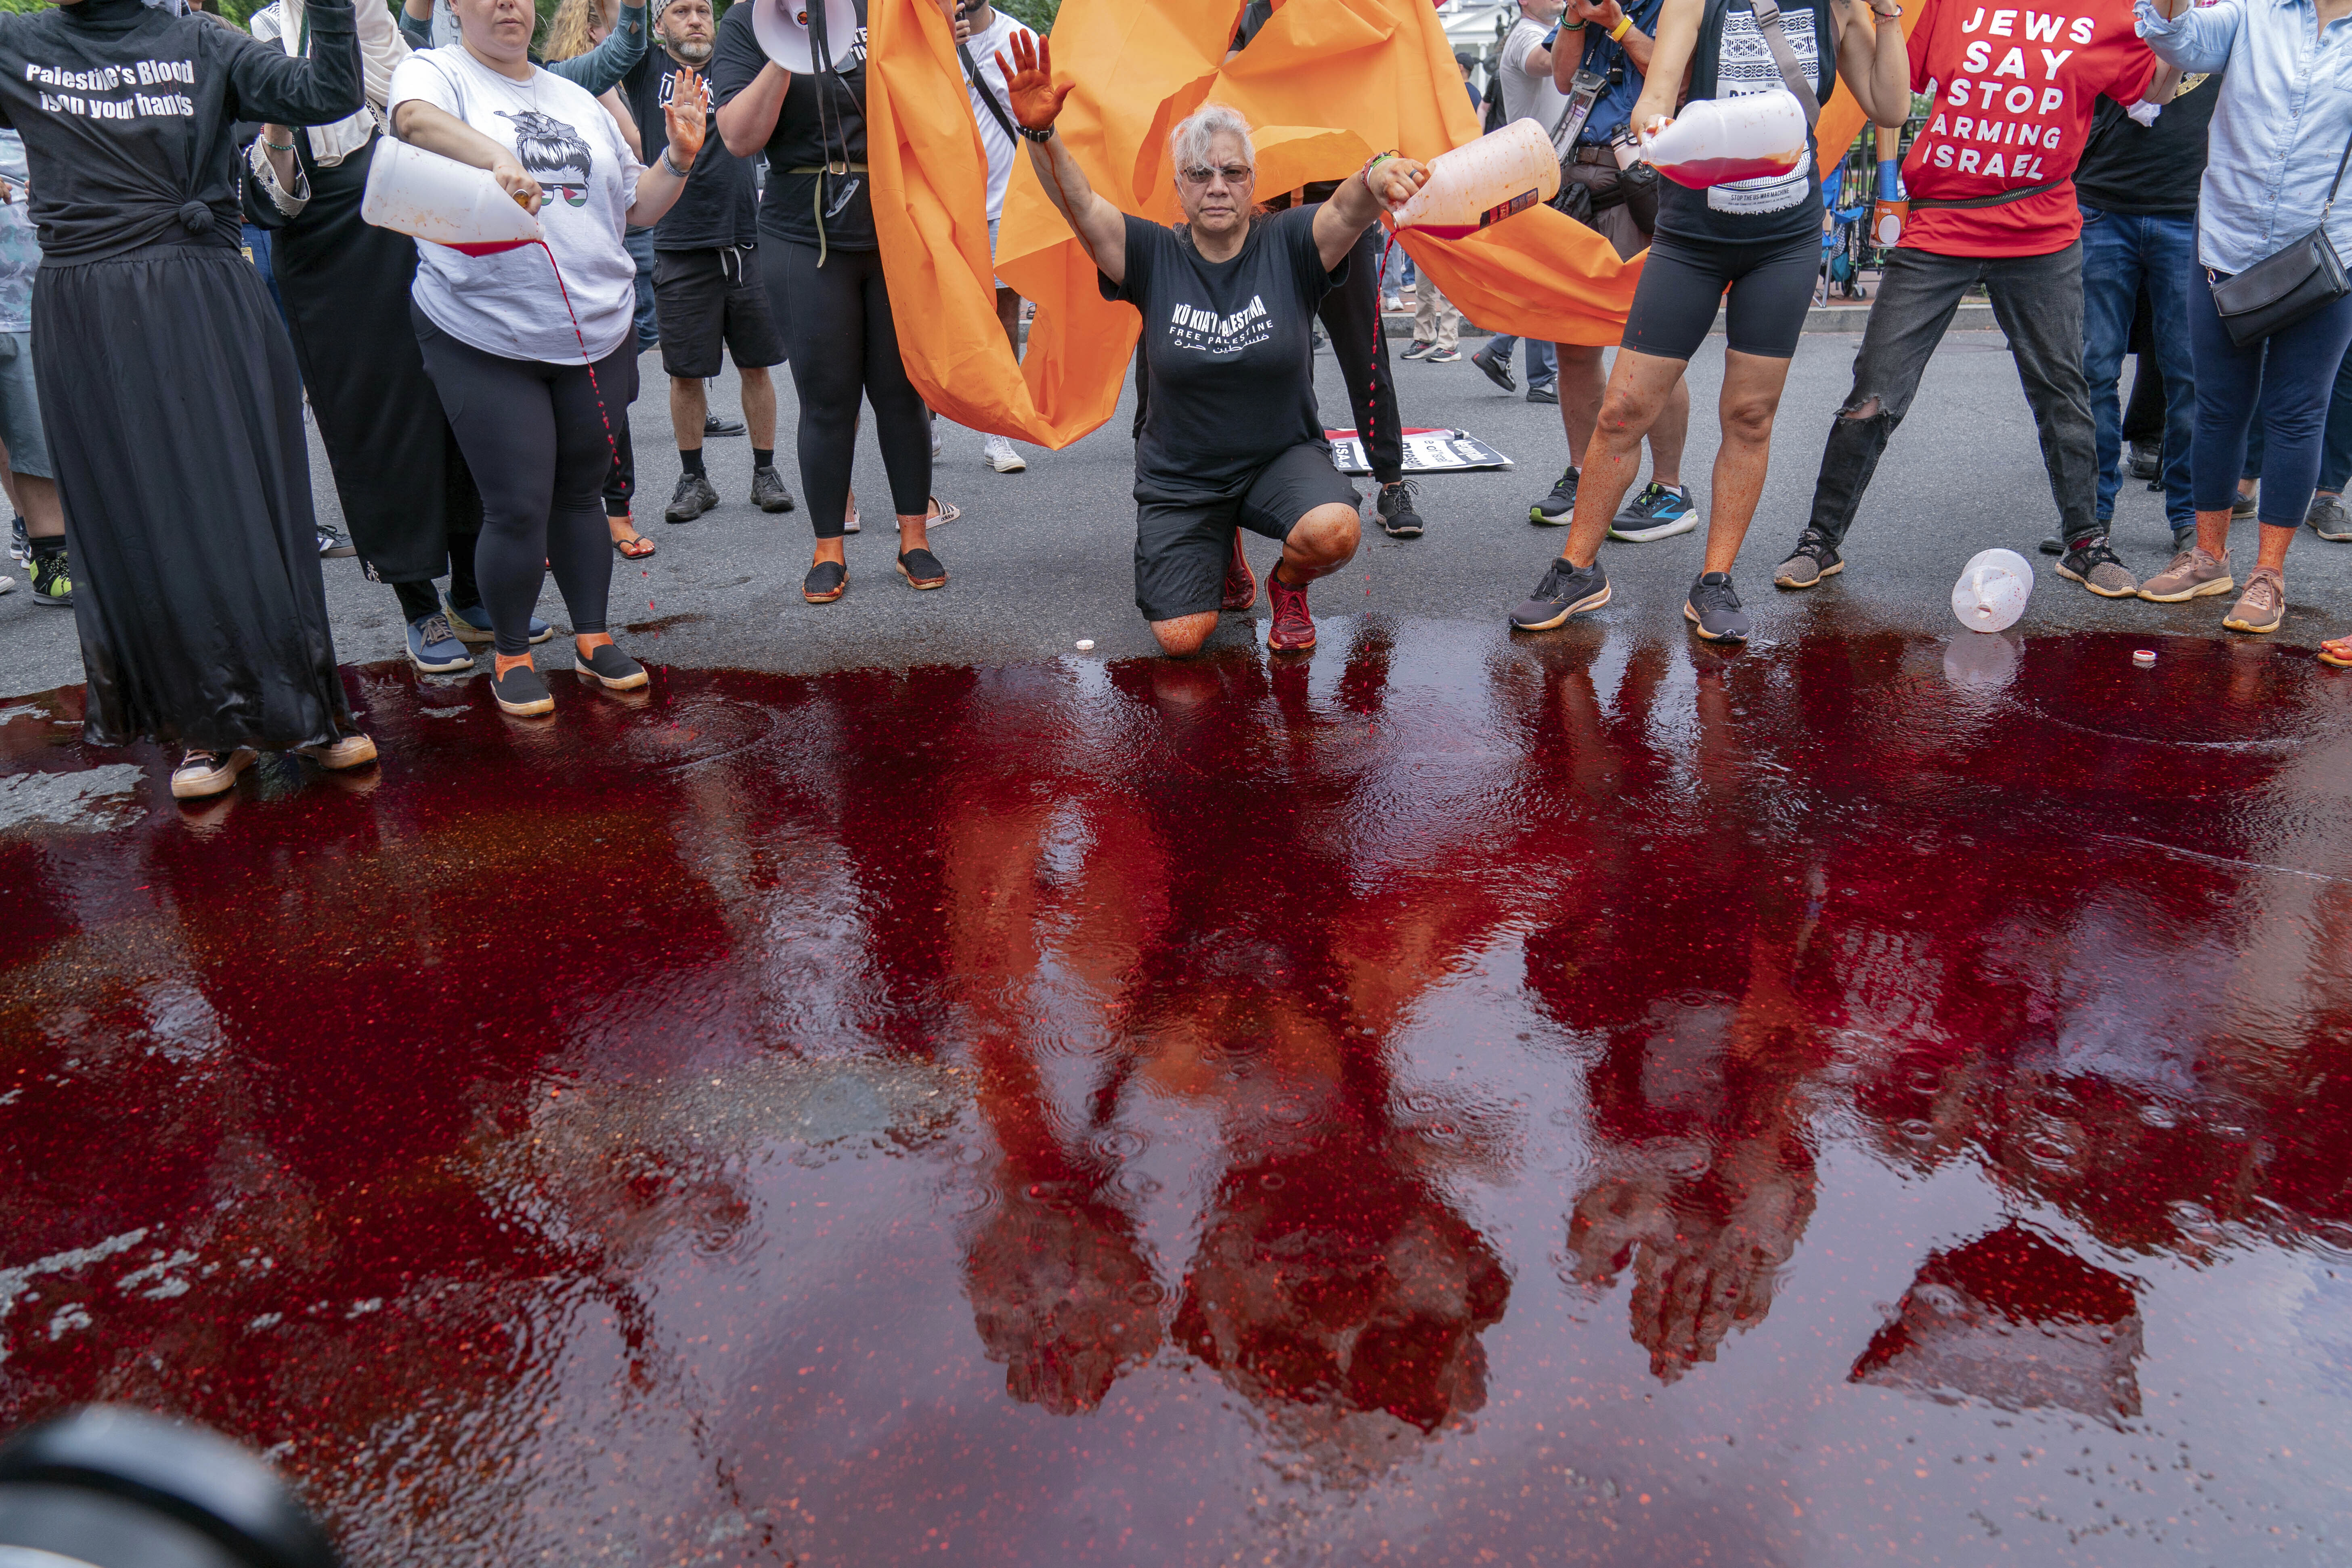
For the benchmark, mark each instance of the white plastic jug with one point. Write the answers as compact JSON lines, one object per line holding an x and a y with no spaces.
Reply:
{"x":1483,"y":181}
{"x":1714,"y":141}
{"x":1992,"y":590}
{"x":432,"y":197}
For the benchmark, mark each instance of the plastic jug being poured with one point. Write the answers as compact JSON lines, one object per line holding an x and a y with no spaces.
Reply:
{"x":431,"y":198}
{"x":1482,"y":182}
{"x":1716,"y":141}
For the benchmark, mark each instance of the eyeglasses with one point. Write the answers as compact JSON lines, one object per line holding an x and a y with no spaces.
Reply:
{"x":1233,"y":174}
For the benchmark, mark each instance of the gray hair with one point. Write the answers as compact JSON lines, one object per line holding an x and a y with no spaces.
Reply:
{"x":1188,"y":145}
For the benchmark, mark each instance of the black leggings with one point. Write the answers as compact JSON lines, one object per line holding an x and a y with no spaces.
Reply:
{"x":842,"y":341}
{"x":536,"y":440}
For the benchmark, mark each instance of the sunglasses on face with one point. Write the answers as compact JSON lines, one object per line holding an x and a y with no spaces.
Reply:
{"x":1232,"y":174}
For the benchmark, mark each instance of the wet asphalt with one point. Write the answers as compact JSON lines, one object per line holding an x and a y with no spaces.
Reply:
{"x":1042,"y":560}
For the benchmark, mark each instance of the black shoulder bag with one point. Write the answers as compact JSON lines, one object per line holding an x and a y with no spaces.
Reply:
{"x":2286,"y":286}
{"x":987,"y":94}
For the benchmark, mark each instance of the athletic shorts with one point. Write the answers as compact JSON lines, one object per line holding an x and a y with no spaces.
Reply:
{"x":1683,"y":282}
{"x":1182,"y":548}
{"x":703,"y":299}
{"x":20,"y":408}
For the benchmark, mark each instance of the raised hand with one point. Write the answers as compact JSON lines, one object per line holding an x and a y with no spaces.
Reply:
{"x":685,"y":118}
{"x":1029,"y":82}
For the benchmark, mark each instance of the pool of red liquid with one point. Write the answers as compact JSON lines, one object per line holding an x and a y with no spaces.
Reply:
{"x":1872,"y":1099}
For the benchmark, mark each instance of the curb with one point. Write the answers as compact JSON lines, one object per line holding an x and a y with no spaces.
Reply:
{"x":1973,"y":316}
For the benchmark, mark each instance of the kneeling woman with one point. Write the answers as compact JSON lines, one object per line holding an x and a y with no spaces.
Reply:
{"x":1232,"y":438}
{"x":534,"y":394}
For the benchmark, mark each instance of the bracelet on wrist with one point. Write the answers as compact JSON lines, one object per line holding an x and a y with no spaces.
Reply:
{"x":1624,"y":25}
{"x":274,"y":147}
{"x":1893,"y":16}
{"x":671,"y":164}
{"x":1039,"y":134}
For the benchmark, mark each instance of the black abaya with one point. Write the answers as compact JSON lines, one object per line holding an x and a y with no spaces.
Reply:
{"x":168,"y":387}
{"x":405,"y":490}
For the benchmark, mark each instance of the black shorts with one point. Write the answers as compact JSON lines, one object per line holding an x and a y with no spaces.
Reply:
{"x":706,"y":298}
{"x":1683,"y":282}
{"x":1181,"y":547}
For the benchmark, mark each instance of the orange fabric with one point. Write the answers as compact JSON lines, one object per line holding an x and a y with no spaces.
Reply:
{"x":1326,"y":83}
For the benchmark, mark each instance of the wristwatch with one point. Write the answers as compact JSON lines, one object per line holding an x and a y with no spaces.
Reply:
{"x":1035,"y":134}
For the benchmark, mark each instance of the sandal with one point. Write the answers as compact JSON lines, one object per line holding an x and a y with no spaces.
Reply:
{"x":2336,"y":651}
{"x":635,"y":547}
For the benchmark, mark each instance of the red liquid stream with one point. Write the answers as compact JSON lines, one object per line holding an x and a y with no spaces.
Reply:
{"x":1698,"y":174}
{"x":492,"y":248}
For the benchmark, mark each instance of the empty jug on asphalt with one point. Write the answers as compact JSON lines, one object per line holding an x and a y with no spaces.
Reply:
{"x":432,"y":197}
{"x":1483,"y":181}
{"x":1714,"y":141}
{"x":1992,"y":590}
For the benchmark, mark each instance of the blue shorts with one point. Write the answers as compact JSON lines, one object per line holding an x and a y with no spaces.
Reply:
{"x":20,"y":408}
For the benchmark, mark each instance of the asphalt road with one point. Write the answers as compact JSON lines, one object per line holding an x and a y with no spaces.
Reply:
{"x":1042,"y":559}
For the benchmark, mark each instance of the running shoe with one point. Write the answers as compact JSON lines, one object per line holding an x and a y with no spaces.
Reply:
{"x":2089,"y":562}
{"x":1241,"y":582}
{"x":694,"y":496}
{"x":1394,"y":504}
{"x":999,"y":453}
{"x":1713,"y":609}
{"x":20,"y":544}
{"x":2147,"y":460}
{"x":1566,"y":590}
{"x":472,"y":623}
{"x":1442,"y":356}
{"x":2246,"y":502}
{"x":2192,"y":574}
{"x":7,"y":585}
{"x":350,"y":752}
{"x":1660,"y":511}
{"x":434,"y":648}
{"x":720,"y":424}
{"x":1813,"y":559}
{"x":53,"y":577}
{"x":1293,"y":630}
{"x":1419,"y":351}
{"x":826,"y":581}
{"x":939,"y":442}
{"x":333,"y":545}
{"x":520,"y":691}
{"x":2053,"y":546}
{"x":2263,"y":606}
{"x":610,"y":667}
{"x":921,"y":569}
{"x":1547,"y":392}
{"x":2329,"y":519}
{"x":1557,"y":510}
{"x":1497,"y":369}
{"x":768,"y":493}
{"x":203,"y":773}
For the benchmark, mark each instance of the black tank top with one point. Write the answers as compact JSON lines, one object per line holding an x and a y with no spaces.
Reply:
{"x":1732,"y":59}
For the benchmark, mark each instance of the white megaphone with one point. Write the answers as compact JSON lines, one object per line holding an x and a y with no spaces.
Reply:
{"x":784,"y":29}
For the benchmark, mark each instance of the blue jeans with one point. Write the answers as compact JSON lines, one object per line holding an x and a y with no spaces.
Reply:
{"x":1543,"y":359}
{"x":639,"y":243}
{"x":2120,"y":253}
{"x":2288,"y":379}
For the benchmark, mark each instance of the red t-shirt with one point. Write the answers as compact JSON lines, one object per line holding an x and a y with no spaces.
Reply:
{"x":2014,"y":91}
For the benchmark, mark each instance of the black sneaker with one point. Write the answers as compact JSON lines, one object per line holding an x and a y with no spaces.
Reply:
{"x":1557,"y":510}
{"x":607,"y":665}
{"x":1496,"y":370}
{"x":719,"y":424}
{"x":1813,"y":559}
{"x":52,"y":577}
{"x":332,"y":544}
{"x":1544,"y":394}
{"x":2055,"y":546}
{"x":1419,"y":351}
{"x":2244,"y":505}
{"x":768,"y":493}
{"x":521,"y":690}
{"x":1660,"y":511}
{"x":1395,"y":507}
{"x":2147,"y":460}
{"x":1565,"y":590}
{"x":693,"y":497}
{"x":1714,"y":609}
{"x":20,"y":544}
{"x":2089,"y":562}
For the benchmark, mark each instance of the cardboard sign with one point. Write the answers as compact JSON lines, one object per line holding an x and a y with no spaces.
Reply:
{"x":1425,"y":452}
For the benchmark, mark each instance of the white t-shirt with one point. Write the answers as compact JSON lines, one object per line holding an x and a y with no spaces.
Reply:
{"x":998,"y":145}
{"x":1526,"y":97}
{"x":508,"y":303}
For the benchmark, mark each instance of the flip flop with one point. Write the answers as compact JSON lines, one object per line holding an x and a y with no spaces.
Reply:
{"x":623,"y":546}
{"x":2340,"y":661}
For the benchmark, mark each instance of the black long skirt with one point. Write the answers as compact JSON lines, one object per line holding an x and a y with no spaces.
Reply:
{"x":175,"y":419}
{"x":405,"y":490}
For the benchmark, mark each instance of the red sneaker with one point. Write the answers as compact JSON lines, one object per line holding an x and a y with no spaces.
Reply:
{"x":1241,"y":582}
{"x":1294,"y":629}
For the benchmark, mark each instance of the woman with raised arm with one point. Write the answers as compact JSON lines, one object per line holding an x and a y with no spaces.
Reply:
{"x":536,"y":362}
{"x":172,"y":405}
{"x":1233,"y":438}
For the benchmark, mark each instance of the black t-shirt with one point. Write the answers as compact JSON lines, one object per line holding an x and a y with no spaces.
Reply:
{"x":2149,"y":170}
{"x":1226,"y":346}
{"x":806,"y":140}
{"x":1732,"y":58}
{"x":127,"y":113}
{"x":717,"y":207}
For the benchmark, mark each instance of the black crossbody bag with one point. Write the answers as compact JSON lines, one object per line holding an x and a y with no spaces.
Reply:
{"x":2286,"y":286}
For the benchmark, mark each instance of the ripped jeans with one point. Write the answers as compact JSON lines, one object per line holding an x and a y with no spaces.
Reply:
{"x":2038,"y":301}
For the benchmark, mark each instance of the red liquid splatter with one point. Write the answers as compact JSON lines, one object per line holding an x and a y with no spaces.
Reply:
{"x":1698,"y":174}
{"x":494,"y":248}
{"x":845,"y":1118}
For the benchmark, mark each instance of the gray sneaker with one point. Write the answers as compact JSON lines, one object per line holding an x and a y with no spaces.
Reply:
{"x":768,"y":493}
{"x":1567,"y":589}
{"x":1713,"y":609}
{"x":2263,"y":605}
{"x":2089,"y":562}
{"x":1813,"y":559}
{"x":2192,"y":574}
{"x":2329,"y":519}
{"x":693,"y":497}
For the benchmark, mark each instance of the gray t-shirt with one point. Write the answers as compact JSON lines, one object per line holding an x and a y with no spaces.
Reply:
{"x":1526,"y":97}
